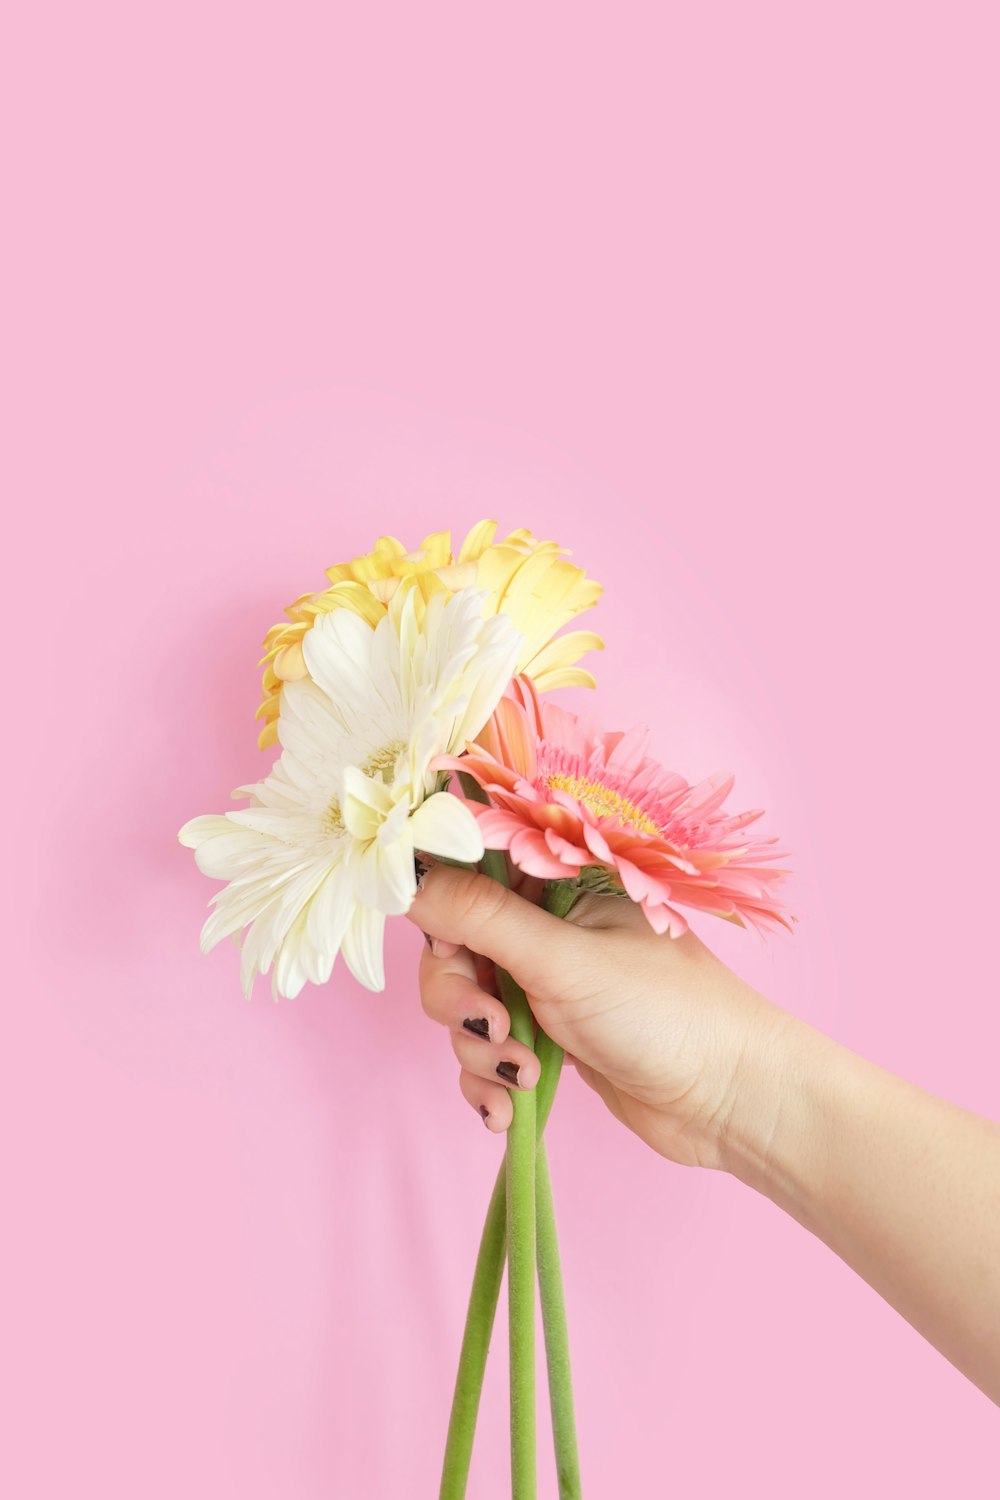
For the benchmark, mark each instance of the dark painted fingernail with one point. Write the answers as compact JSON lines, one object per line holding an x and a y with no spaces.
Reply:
{"x":478,"y":1025}
{"x":422,"y":868}
{"x":485,"y":1114}
{"x":508,"y":1071}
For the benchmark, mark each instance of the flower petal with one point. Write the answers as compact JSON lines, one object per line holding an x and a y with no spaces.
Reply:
{"x":444,"y":825}
{"x":362,"y":947}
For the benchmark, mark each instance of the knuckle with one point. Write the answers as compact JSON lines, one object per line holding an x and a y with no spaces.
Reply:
{"x":434,"y":996}
{"x":468,"y":1087}
{"x":483,"y":900}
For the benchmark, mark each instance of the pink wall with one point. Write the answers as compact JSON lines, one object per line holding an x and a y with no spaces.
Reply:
{"x":708,"y":293}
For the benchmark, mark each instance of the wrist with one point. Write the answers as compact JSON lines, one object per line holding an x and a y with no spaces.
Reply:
{"x":772,"y":1136}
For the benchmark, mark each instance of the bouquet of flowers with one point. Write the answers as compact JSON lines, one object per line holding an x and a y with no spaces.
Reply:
{"x":406,"y":698}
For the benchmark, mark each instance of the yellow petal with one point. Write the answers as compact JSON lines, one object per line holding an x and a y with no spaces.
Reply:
{"x":290,"y":664}
{"x":457,"y":576}
{"x":434,"y":551}
{"x":478,"y":539}
{"x":563,"y":652}
{"x":564,"y":677}
{"x":496,"y":568}
{"x":415,"y":587}
{"x":383,"y":589}
{"x":360,"y":598}
{"x":427,"y":585}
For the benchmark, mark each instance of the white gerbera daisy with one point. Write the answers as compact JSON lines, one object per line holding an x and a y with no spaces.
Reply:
{"x":325,"y":851}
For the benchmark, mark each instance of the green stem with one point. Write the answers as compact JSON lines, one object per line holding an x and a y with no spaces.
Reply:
{"x":556,"y":1337}
{"x":476,"y":1344}
{"x":520,"y":1212}
{"x":558,"y":898}
{"x":480,"y":1318}
{"x":513,"y":1200}
{"x":521,"y":1256}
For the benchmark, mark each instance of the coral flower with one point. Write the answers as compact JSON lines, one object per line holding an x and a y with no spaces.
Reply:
{"x":568,"y":798}
{"x":528,"y":580}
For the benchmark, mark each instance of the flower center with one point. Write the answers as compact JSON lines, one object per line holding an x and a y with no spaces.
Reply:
{"x":602,"y":800}
{"x":383,"y":762}
{"x":332,"y":821}
{"x":380,"y":764}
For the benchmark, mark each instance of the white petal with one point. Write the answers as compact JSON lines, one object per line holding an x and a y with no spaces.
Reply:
{"x":498,"y":644}
{"x":354,"y":664}
{"x":330,"y":912}
{"x":197,"y":830}
{"x":229,"y":854}
{"x":443,"y":825}
{"x":397,"y":878}
{"x":362,"y":947}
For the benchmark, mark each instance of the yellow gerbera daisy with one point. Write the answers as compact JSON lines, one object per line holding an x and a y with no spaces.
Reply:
{"x":520,"y":576}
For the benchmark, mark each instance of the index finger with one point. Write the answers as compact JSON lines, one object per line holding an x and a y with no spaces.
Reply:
{"x":479,"y":913}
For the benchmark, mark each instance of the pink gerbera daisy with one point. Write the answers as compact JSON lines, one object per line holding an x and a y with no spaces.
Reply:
{"x":567,"y":797}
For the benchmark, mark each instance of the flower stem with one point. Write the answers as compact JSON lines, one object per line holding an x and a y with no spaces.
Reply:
{"x":556,"y":1337}
{"x":521,"y":1256}
{"x":476,"y":1344}
{"x":559,"y":898}
{"x":523,"y":1174}
{"x":482,"y":1314}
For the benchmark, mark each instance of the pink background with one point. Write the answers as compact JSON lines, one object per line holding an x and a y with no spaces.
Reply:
{"x":708,"y":293}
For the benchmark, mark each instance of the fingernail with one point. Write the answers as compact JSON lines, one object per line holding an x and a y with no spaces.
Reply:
{"x":423,"y":867}
{"x":478,"y":1025}
{"x":485,"y":1114}
{"x":508,"y":1071}
{"x":441,"y":948}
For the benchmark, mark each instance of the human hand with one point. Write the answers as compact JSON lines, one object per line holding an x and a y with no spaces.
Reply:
{"x":659,"y":1027}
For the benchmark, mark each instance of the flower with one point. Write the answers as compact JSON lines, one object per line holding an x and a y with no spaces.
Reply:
{"x":569,"y":799}
{"x":325,"y":850}
{"x":521,"y":577}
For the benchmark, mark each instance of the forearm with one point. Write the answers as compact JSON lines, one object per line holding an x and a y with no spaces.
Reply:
{"x":903,"y":1186}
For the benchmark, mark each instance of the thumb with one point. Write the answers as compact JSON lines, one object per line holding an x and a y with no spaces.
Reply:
{"x":478,"y":912}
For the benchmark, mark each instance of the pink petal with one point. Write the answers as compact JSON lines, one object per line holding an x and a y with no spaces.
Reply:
{"x":563,"y":729}
{"x":597,"y":844}
{"x":664,"y":919}
{"x":629,"y":751}
{"x":570,"y":854}
{"x":497,"y":827}
{"x":709,"y":794}
{"x":530,"y":853}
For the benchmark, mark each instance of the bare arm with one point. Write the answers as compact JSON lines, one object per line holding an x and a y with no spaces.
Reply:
{"x":903,"y":1186}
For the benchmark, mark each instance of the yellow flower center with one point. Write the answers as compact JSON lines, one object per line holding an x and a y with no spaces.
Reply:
{"x":602,"y":800}
{"x":383,"y":762}
{"x":332,"y":820}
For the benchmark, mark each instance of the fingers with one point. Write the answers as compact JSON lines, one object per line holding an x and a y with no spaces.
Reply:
{"x":479,"y":1023}
{"x":462,"y":907}
{"x":492,"y":1062}
{"x":491,"y":1100}
{"x":450,"y":994}
{"x":512,"y":1062}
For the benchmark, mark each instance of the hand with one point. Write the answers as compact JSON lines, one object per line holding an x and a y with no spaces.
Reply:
{"x":657,"y":1026}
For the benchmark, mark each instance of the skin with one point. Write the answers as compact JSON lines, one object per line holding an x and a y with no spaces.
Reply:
{"x":903,"y":1186}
